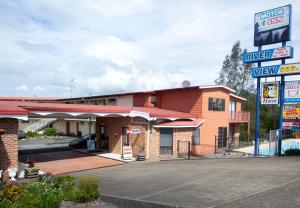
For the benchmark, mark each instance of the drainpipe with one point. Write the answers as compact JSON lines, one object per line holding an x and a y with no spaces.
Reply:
{"x":148,"y":140}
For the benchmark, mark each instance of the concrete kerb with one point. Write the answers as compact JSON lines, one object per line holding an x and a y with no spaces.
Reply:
{"x":124,"y":202}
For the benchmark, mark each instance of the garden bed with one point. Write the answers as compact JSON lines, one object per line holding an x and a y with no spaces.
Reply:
{"x":52,"y":192}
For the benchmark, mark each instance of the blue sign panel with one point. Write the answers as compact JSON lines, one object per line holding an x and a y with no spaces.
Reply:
{"x":266,"y":71}
{"x":276,"y":70}
{"x":268,"y":55}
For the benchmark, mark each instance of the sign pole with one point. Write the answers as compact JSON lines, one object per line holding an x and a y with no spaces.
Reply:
{"x":256,"y":147}
{"x":281,"y":97}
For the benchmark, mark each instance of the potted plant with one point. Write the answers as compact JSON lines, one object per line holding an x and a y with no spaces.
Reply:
{"x":31,"y":171}
{"x":12,"y":172}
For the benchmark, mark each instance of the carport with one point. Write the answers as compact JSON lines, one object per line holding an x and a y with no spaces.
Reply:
{"x":120,"y":120}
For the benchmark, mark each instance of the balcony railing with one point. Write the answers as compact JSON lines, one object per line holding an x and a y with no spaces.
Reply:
{"x":239,"y":116}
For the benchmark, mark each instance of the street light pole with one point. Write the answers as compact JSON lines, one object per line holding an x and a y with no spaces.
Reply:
{"x":72,"y":80}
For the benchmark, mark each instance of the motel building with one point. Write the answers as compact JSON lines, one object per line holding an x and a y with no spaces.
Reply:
{"x":157,"y":123}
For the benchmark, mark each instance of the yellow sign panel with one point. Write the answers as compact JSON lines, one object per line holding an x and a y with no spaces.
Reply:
{"x":287,"y":69}
{"x":291,"y":112}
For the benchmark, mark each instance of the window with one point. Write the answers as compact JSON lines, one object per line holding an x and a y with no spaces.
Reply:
{"x":196,"y":136}
{"x":216,"y":104}
{"x":232,"y":106}
{"x":153,"y":99}
{"x":112,"y":101}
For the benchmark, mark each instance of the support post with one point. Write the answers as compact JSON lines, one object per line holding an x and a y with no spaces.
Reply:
{"x":189,"y":150}
{"x":256,"y":147}
{"x":90,"y":128}
{"x":215,"y":144}
{"x":281,"y":102}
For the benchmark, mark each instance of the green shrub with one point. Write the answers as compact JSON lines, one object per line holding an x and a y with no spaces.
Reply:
{"x":49,"y":192}
{"x":292,"y":152}
{"x":50,"y":132}
{"x":64,"y":183}
{"x":11,"y":192}
{"x":32,"y":134}
{"x":5,"y":204}
{"x":88,"y":189}
{"x":41,"y":195}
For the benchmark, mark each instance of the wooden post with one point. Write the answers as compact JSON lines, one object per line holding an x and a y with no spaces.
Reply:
{"x":215,"y":144}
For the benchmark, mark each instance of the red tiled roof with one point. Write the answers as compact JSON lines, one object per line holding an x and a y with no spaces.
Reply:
{"x":159,"y":112}
{"x":59,"y":107}
{"x":23,"y":108}
{"x":9,"y":108}
{"x":183,"y":124}
{"x":151,"y":91}
{"x":29,"y":98}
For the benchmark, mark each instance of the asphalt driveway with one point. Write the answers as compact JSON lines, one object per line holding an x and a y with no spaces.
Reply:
{"x":260,"y":182}
{"x":44,"y":144}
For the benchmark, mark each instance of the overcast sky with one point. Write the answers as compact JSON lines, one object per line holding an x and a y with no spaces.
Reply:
{"x":110,"y":46}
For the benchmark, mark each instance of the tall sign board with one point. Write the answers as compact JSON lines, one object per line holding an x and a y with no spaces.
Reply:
{"x":272,"y":26}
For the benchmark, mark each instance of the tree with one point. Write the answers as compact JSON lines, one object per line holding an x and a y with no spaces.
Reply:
{"x":234,"y":73}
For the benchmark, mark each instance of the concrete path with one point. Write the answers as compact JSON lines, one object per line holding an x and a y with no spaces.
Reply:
{"x":261,"y":182}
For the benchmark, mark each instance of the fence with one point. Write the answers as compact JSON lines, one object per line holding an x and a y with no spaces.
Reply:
{"x":268,"y":143}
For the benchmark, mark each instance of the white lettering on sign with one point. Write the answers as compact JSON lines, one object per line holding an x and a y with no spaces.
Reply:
{"x":274,"y":18}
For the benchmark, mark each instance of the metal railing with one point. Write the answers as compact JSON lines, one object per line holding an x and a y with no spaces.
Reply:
{"x":40,"y":125}
{"x":239,"y":116}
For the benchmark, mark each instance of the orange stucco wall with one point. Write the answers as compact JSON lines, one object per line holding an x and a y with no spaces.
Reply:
{"x":196,"y":101}
{"x":213,"y":120}
{"x":184,"y":100}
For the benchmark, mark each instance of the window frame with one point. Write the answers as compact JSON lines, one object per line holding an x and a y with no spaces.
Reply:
{"x":216,"y":104}
{"x":196,"y":136}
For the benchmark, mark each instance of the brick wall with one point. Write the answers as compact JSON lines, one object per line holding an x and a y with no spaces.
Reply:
{"x":154,"y":144}
{"x":9,"y":144}
{"x":114,"y":127}
{"x":181,"y":134}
